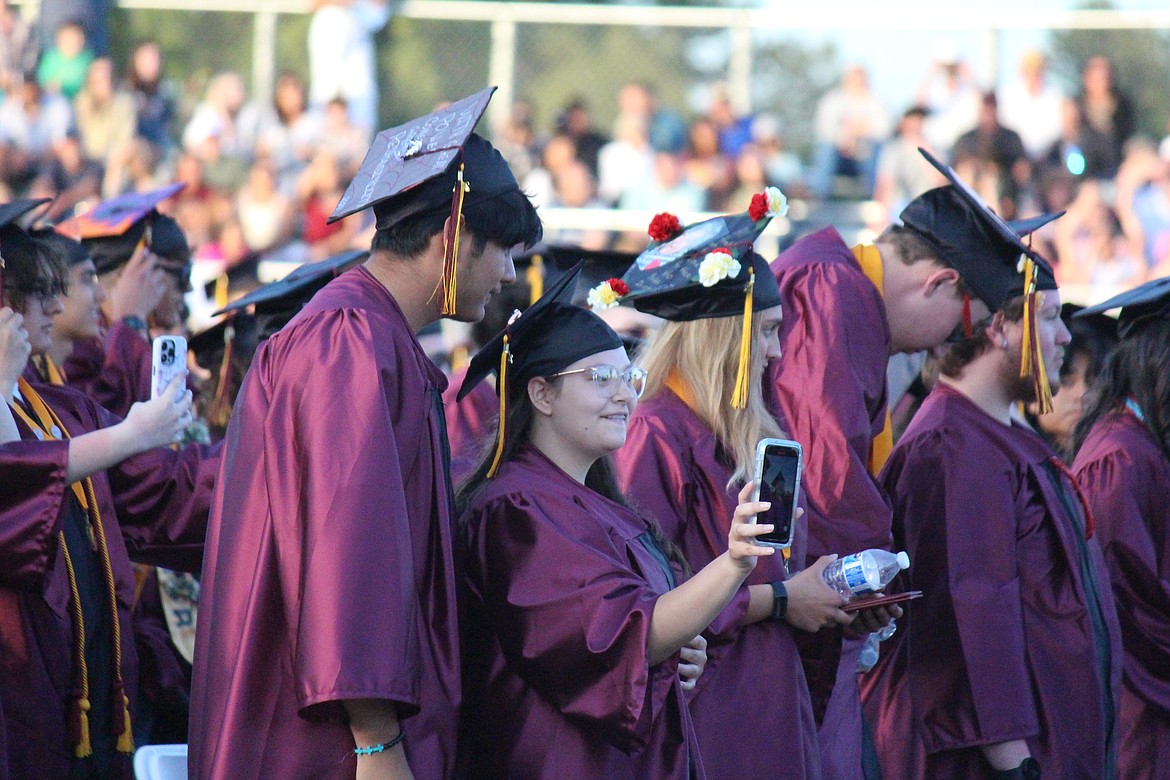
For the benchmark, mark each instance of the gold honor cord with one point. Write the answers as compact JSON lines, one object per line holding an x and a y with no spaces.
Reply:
{"x":49,"y":425}
{"x":502,"y":388}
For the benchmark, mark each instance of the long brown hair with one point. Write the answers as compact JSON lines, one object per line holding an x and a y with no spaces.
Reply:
{"x":705,"y":354}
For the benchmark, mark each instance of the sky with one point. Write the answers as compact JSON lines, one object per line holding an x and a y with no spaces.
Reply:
{"x":897,"y":59}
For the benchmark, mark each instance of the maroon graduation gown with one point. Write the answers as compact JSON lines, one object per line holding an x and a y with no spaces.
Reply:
{"x":329,"y":572}
{"x":114,"y":370}
{"x":470,"y":423}
{"x":159,"y":500}
{"x":671,"y":467}
{"x":830,"y":385}
{"x":1016,"y":636}
{"x":562,"y":588}
{"x":1126,"y":479}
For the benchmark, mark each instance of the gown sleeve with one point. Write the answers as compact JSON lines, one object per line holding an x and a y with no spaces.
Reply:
{"x":571,"y":614}
{"x":1132,"y":520}
{"x":829,"y":383}
{"x":968,"y":660}
{"x":114,"y":371}
{"x":343,"y":522}
{"x":32,"y":501}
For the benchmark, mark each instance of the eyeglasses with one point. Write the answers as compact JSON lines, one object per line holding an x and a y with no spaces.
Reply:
{"x":607,"y":378}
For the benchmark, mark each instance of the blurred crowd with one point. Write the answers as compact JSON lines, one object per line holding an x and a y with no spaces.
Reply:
{"x":262,"y":179}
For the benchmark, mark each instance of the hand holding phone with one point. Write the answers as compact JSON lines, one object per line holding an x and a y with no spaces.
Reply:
{"x":168,"y":358}
{"x":779,"y":463}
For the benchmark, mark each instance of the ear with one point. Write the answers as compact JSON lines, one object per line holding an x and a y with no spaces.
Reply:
{"x":541,"y":394}
{"x":940,"y":278}
{"x":997,"y":330}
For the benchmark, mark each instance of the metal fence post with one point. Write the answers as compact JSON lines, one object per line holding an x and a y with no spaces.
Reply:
{"x":502,"y":70}
{"x":263,"y":55}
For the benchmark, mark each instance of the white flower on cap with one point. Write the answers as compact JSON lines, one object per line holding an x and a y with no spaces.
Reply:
{"x":717,"y":266}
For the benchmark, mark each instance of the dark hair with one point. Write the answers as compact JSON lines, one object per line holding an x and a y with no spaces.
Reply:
{"x":1088,"y":339}
{"x":506,"y":220}
{"x":1138,"y":368}
{"x":601,"y":478}
{"x":30,"y":269}
{"x":963,"y":352}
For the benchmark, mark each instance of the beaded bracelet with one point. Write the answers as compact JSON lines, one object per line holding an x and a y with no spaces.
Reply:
{"x":372,"y":749}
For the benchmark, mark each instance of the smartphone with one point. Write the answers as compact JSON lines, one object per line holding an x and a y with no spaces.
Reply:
{"x":168,"y":356}
{"x":778,"y":466}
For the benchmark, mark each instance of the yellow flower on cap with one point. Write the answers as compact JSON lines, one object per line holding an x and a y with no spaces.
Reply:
{"x":717,"y":266}
{"x":607,"y":294}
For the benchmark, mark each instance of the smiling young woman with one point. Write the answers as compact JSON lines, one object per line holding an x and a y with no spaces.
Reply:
{"x":580,"y":633}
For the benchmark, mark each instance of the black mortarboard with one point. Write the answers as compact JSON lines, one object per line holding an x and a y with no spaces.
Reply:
{"x":548,"y":336}
{"x":970,"y":237}
{"x":554,"y":260}
{"x":278,"y":302}
{"x":226,"y":349}
{"x":1143,"y":304}
{"x":432,"y":165}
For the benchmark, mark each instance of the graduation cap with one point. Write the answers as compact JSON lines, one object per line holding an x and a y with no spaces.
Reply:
{"x":278,"y":302}
{"x":115,"y":228}
{"x":68,"y":250}
{"x":987,"y":251}
{"x":703,"y":271}
{"x":430,"y":165}
{"x":990,"y":255}
{"x":13,"y":239}
{"x":226,"y":348}
{"x":1140,"y":306}
{"x":548,"y":336}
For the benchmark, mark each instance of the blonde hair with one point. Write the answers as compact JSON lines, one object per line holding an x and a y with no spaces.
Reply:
{"x":705,"y":355}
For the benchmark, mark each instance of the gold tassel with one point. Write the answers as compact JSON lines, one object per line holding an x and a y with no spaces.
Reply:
{"x":221,"y":291}
{"x":126,"y":738}
{"x":502,"y":387}
{"x":451,"y":244}
{"x":536,"y":279}
{"x":743,"y":375}
{"x":84,"y":748}
{"x":1029,"y":311}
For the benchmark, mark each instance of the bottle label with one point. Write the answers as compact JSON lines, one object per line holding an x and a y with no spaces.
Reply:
{"x":855,"y":574}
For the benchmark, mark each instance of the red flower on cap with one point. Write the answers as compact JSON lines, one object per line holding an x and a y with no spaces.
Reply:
{"x":759,"y":208}
{"x":664,"y":227}
{"x":618,"y":286}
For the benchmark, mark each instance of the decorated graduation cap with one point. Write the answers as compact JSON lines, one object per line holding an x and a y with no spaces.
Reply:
{"x":431,"y":165}
{"x":1144,"y":304}
{"x":547,"y":336}
{"x":706,"y":270}
{"x":990,"y":255}
{"x":13,"y":238}
{"x":115,"y":228}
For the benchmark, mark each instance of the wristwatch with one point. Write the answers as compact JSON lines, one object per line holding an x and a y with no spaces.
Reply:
{"x":779,"y":600}
{"x":1029,"y":769}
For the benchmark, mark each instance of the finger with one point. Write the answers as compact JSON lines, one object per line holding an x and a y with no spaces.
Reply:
{"x":689,"y":671}
{"x":690,"y":655}
{"x":752,"y":529}
{"x":896,"y":611}
{"x":699,"y":642}
{"x":759,"y":552}
{"x":688,"y":685}
{"x":841,"y":617}
{"x":752,"y":508}
{"x":746,"y":493}
{"x":799,"y":513}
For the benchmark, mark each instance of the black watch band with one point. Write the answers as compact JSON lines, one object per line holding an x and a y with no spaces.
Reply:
{"x":1029,"y":769}
{"x":779,"y":600}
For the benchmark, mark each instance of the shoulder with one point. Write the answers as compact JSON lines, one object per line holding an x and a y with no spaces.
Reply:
{"x":823,"y":246}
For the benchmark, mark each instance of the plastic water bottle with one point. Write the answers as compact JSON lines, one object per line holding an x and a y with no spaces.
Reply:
{"x":869,"y":654}
{"x":864,"y":572}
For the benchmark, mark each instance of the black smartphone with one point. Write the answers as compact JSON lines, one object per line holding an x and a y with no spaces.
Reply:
{"x":778,"y":467}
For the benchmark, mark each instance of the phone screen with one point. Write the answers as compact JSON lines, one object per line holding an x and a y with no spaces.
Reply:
{"x":779,"y":475}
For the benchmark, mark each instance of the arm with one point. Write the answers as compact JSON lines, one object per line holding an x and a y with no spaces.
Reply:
{"x":151,"y":424}
{"x":688,"y":609}
{"x":374,"y":722}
